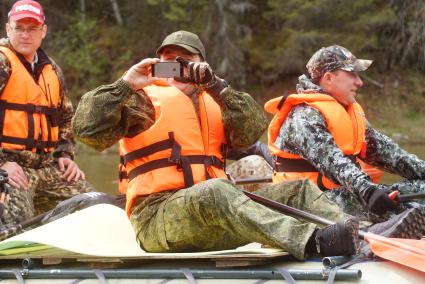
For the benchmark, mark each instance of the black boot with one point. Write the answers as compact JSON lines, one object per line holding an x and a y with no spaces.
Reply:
{"x":410,"y":224}
{"x":339,"y":239}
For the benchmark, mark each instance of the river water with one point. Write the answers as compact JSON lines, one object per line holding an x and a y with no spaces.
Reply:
{"x":101,"y":169}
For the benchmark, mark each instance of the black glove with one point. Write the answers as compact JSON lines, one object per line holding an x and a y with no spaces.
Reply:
{"x":199,"y":73}
{"x":378,"y":201}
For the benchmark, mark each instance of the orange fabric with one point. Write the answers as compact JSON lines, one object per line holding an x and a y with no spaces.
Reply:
{"x":374,"y":173}
{"x":174,"y":112}
{"x":347,"y":127}
{"x":407,"y":252}
{"x":22,"y":89}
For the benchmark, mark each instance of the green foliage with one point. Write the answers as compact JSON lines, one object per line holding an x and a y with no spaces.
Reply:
{"x":85,"y":55}
{"x":301,"y":27}
{"x":253,"y":44}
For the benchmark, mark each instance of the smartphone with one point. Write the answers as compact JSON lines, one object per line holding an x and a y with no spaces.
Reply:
{"x":167,"y":69}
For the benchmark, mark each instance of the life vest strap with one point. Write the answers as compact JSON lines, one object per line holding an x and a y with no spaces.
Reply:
{"x":282,"y":100}
{"x":146,"y":151}
{"x":32,"y":108}
{"x":302,"y":166}
{"x":293,"y":165}
{"x":29,"y":142}
{"x":162,"y":145}
{"x":298,"y":165}
{"x":180,"y":163}
{"x":224,"y":149}
{"x":122,"y":175}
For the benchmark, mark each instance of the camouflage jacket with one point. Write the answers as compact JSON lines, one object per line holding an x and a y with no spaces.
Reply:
{"x":305,"y":133}
{"x":110,"y":112}
{"x":65,"y":145}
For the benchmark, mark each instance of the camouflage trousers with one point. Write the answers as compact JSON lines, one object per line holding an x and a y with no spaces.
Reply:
{"x":215,"y":215}
{"x":46,"y":187}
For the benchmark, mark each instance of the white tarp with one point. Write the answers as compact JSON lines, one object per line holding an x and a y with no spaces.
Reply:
{"x":100,"y":230}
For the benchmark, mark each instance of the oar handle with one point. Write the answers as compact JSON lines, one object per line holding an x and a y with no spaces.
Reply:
{"x":287,"y":209}
{"x":252,"y":180}
{"x":413,"y":196}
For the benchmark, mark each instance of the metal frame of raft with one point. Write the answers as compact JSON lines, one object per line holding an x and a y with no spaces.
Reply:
{"x":190,"y":274}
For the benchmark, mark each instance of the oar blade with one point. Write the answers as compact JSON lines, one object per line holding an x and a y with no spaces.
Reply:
{"x":407,"y":252}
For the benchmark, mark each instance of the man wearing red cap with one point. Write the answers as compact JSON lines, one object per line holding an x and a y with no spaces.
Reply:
{"x":36,"y":140}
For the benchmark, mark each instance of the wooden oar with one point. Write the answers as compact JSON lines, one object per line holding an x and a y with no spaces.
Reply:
{"x":406,"y":252}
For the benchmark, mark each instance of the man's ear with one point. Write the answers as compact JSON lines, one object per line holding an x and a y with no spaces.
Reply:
{"x":44,"y":30}
{"x":7,"y":29}
{"x":328,"y":76}
{"x":326,"y":79}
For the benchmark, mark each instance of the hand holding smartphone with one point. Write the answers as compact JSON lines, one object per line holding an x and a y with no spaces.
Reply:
{"x":138,"y":76}
{"x":167,"y":69}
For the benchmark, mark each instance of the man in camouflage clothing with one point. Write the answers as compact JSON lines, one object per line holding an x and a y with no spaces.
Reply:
{"x":305,"y":133}
{"x":39,"y":177}
{"x":211,"y":214}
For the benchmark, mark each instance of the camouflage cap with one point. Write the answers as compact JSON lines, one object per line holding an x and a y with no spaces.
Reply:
{"x":331,"y":58}
{"x":186,"y":40}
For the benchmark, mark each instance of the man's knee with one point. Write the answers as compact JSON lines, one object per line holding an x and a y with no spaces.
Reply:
{"x":20,"y":206}
{"x":216,"y":192}
{"x":216,"y":187}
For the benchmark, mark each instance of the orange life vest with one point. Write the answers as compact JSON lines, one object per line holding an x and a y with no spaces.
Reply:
{"x":28,"y":109}
{"x":178,"y":150}
{"x":347,"y":127}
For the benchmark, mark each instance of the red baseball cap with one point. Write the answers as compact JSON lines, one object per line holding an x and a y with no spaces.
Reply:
{"x":26,"y":9}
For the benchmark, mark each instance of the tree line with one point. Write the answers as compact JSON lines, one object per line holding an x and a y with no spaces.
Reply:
{"x":254,"y":44}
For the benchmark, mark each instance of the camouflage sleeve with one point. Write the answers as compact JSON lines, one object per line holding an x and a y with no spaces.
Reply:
{"x":4,"y":71}
{"x":244,"y":120}
{"x":110,"y":112}
{"x":384,"y":153}
{"x":305,"y":133}
{"x":66,"y":144}
{"x":4,"y":77}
